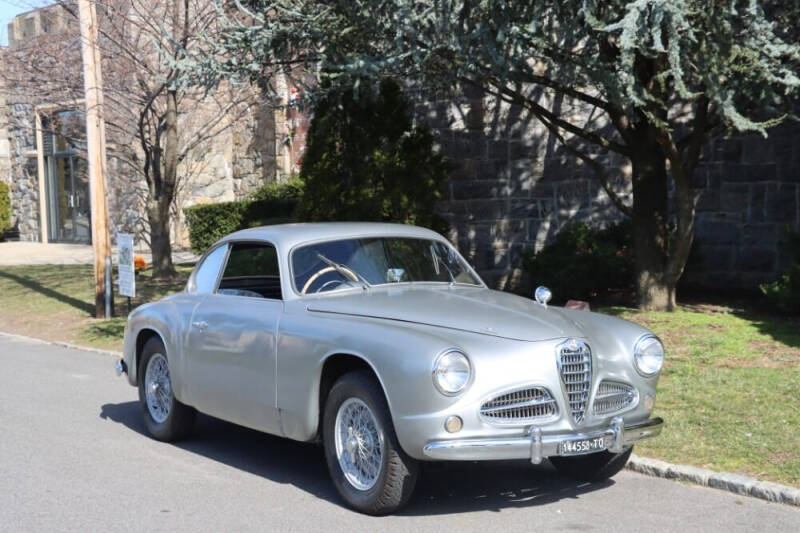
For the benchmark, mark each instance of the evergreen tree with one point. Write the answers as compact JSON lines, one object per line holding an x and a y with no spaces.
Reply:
{"x":666,"y":76}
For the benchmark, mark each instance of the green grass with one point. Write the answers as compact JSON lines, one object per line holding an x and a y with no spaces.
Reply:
{"x":729,"y":392}
{"x":56,"y":302}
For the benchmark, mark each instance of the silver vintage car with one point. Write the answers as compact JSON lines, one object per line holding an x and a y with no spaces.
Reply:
{"x":380,"y":342}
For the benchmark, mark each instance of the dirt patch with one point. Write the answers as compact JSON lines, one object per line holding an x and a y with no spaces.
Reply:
{"x":55,"y":326}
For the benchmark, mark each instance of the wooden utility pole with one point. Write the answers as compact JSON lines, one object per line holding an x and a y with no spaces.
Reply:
{"x":96,"y":149}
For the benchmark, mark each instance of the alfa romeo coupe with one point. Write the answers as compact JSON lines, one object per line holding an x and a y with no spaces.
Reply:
{"x":380,"y":342}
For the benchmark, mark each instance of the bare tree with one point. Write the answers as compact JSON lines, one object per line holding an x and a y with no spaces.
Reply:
{"x":154,"y":124}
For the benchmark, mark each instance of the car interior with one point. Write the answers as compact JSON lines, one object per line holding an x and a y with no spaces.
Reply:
{"x":251,"y":271}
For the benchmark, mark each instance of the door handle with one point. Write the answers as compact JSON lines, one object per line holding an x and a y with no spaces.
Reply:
{"x":201,"y":325}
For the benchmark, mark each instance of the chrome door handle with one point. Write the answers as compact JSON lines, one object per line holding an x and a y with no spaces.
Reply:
{"x":201,"y":325}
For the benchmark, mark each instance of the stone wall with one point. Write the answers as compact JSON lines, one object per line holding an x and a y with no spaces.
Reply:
{"x":750,"y":199}
{"x":513,"y":188}
{"x":22,"y":169}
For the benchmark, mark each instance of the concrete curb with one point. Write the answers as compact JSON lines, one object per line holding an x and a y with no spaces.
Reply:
{"x":61,"y":344}
{"x":746,"y":486}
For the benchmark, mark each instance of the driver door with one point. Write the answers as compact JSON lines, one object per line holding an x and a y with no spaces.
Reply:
{"x":231,"y":345}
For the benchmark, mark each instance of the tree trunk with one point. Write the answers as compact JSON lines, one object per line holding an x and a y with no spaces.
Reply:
{"x":655,"y":288}
{"x":158,"y":216}
{"x":161,"y":199}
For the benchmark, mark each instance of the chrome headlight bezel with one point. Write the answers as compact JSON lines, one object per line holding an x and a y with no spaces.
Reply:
{"x":643,"y":343}
{"x":451,"y":357}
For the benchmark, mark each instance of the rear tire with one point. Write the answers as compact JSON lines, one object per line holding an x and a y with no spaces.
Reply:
{"x":166,"y":418}
{"x":593,"y":467}
{"x":368,"y":467}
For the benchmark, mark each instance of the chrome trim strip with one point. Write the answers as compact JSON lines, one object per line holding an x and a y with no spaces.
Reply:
{"x":535,"y":446}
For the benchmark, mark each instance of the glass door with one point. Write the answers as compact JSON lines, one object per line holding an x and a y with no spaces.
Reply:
{"x":67,"y":180}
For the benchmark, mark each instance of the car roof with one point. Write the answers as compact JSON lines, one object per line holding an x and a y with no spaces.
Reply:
{"x":287,"y":236}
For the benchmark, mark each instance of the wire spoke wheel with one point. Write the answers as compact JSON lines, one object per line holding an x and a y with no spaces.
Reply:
{"x":359,"y":444}
{"x":158,"y":388}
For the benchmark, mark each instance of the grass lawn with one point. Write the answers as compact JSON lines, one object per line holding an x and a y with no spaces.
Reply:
{"x":56,"y":302}
{"x":730,"y":390}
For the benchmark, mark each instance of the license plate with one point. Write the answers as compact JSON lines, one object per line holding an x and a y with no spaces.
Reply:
{"x":578,"y":447}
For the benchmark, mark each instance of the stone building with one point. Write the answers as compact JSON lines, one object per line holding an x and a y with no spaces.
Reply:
{"x":513,"y":188}
{"x":42,"y":156}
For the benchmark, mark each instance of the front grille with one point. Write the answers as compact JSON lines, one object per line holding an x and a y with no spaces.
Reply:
{"x":523,"y":405}
{"x":613,"y":396}
{"x":575,"y":367}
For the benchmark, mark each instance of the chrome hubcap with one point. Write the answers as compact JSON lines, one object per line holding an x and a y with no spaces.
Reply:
{"x":157,"y":388}
{"x":359,"y":444}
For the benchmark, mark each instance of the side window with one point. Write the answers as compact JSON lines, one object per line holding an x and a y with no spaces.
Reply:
{"x":205,"y":277}
{"x":252,"y":271}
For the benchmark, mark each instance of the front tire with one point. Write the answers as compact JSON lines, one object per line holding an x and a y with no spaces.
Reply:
{"x":166,"y":418}
{"x":593,"y":467}
{"x":368,"y":467}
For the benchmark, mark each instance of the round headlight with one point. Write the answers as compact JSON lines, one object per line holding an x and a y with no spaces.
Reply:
{"x":451,"y":372}
{"x":648,"y":354}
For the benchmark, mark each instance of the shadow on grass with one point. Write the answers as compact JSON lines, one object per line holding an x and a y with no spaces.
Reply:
{"x":81,"y":305}
{"x":443,"y":488}
{"x":112,"y":329}
{"x":782,"y":329}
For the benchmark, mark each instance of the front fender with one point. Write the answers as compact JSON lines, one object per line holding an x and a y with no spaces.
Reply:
{"x":167,"y":319}
{"x":400,"y":355}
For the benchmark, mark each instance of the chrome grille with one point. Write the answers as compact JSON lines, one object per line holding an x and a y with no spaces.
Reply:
{"x":531,"y":403}
{"x":613,"y":396}
{"x":575,"y":367}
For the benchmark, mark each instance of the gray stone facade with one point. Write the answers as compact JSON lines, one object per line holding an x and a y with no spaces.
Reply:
{"x":513,"y":188}
{"x":20,"y":170}
{"x":750,"y":199}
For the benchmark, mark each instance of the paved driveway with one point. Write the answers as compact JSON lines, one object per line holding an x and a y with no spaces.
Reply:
{"x":74,"y":457}
{"x":36,"y":253}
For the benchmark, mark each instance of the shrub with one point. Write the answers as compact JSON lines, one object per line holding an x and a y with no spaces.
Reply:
{"x":584,"y":262}
{"x":5,"y":209}
{"x":366,"y":161}
{"x":273,"y":203}
{"x":784,"y":293}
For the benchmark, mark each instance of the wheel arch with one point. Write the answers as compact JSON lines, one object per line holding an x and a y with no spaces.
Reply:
{"x":336,"y":365}
{"x":142,"y":338}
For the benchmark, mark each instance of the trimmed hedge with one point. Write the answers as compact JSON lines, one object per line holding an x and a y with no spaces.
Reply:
{"x":274,"y":203}
{"x":5,"y":209}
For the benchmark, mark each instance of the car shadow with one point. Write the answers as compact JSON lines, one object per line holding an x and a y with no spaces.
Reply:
{"x":443,"y":488}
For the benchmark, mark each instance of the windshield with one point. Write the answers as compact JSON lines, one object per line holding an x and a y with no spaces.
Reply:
{"x":332,"y":265}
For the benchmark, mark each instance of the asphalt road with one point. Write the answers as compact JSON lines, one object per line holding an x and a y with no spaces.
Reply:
{"x":74,"y":457}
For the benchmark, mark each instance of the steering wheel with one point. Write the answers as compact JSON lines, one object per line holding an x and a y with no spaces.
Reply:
{"x":325,"y":270}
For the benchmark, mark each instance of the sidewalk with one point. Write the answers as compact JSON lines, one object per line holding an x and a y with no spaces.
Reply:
{"x":36,"y":253}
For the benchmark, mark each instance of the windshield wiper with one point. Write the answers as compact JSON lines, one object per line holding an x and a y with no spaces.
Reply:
{"x":345,"y":271}
{"x":440,"y":261}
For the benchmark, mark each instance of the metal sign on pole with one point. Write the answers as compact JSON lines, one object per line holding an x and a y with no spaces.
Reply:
{"x":96,"y":153}
{"x":126,"y":269}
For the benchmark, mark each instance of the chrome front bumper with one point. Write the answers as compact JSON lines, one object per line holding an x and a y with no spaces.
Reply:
{"x":536,"y":446}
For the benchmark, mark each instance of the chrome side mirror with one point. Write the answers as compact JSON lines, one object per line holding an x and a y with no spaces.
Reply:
{"x":395,"y":275}
{"x":542,"y":295}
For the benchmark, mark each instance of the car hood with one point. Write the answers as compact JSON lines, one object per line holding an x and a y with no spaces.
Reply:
{"x":471,"y":309}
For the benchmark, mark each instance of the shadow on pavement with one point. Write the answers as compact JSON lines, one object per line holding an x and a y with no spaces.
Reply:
{"x":443,"y":488}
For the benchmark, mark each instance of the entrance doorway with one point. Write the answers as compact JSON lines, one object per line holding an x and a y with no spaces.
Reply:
{"x":66,"y":178}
